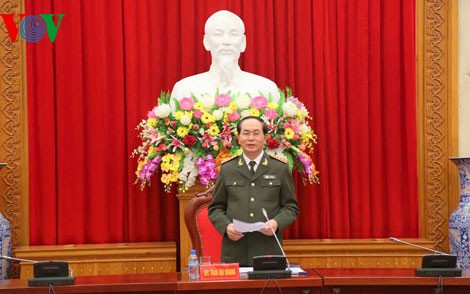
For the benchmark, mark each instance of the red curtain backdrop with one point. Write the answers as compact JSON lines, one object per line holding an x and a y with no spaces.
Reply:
{"x":351,"y":62}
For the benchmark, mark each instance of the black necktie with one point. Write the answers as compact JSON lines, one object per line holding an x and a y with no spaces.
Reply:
{"x":252,"y":167}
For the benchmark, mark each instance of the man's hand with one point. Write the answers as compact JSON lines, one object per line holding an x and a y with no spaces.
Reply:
{"x":267,"y":228}
{"x":233,"y":234}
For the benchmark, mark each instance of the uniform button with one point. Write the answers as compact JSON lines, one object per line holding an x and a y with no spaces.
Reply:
{"x":252,"y":199}
{"x":252,"y":184}
{"x":270,"y":183}
{"x":234,"y":183}
{"x":252,"y":214}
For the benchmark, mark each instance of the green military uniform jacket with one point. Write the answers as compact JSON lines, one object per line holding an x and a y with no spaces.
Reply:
{"x":239,"y":195}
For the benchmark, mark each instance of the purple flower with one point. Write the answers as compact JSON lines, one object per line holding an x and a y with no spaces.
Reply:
{"x":307,"y":163}
{"x":206,"y":168}
{"x":149,"y":168}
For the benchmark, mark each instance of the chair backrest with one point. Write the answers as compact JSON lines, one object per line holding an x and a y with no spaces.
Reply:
{"x":204,"y":237}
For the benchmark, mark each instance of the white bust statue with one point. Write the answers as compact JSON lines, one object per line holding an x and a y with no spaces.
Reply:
{"x":224,"y":37}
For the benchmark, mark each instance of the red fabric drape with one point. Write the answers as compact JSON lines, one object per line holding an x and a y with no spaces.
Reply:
{"x":350,"y":62}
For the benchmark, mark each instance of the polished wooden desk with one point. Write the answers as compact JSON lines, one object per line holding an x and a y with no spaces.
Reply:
{"x":169,"y":283}
{"x":387,"y":281}
{"x":343,"y":281}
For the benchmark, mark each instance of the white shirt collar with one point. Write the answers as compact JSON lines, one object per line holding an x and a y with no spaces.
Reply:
{"x":257,"y":160}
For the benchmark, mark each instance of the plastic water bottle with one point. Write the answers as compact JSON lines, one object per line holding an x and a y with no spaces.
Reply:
{"x":193,"y":266}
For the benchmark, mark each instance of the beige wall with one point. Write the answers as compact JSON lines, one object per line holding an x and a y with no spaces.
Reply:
{"x":464,"y":78}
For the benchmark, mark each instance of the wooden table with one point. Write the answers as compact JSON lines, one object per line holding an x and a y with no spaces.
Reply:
{"x":169,"y":283}
{"x":342,"y":281}
{"x":387,"y":281}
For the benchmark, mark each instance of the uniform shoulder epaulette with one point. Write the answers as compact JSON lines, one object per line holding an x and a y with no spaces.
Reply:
{"x":281,"y":159}
{"x":228,"y":159}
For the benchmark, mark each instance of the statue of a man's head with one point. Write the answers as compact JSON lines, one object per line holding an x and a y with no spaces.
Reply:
{"x":224,"y":36}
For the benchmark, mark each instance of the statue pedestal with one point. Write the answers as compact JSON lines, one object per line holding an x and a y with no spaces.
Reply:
{"x":185,"y":242}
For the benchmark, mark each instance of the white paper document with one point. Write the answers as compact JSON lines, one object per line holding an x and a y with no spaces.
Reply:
{"x":244,"y":227}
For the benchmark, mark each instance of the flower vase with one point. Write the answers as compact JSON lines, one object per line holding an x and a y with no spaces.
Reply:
{"x":459,"y":222}
{"x":5,"y":247}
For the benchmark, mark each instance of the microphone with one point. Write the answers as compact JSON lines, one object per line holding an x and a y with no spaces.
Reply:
{"x":417,"y":246}
{"x":17,"y":259}
{"x":274,"y":233}
{"x":435,"y":265}
{"x":47,"y":272}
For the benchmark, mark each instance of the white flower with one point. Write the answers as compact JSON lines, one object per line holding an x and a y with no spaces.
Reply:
{"x":207,"y":101}
{"x":304,"y":111}
{"x":185,"y":119}
{"x":289,"y":108}
{"x":162,"y":111}
{"x":304,"y":128}
{"x":245,"y":112}
{"x":189,"y":172}
{"x":243,"y":101}
{"x":218,"y":114}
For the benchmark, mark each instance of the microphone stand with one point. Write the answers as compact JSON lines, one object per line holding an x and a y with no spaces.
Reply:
{"x":17,"y":259}
{"x":417,"y":246}
{"x":274,"y":233}
{"x":440,"y":265}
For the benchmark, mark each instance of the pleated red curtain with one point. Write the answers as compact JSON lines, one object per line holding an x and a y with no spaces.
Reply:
{"x":350,"y":62}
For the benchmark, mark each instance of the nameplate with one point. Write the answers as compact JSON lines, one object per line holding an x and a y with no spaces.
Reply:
{"x":219,"y":271}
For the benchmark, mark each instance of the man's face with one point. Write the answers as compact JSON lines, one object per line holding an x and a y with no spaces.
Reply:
{"x":225,"y":40}
{"x":251,"y":137}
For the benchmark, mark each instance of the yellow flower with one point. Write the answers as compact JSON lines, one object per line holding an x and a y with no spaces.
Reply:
{"x":152,"y":122}
{"x":178,"y":115}
{"x":198,"y":105}
{"x":232,"y":106}
{"x":170,"y":162}
{"x":189,"y":114}
{"x":254,"y":111}
{"x":150,"y":151}
{"x":173,"y":176}
{"x":207,"y":118}
{"x":272,"y":105}
{"x":214,"y":130}
{"x":289,"y":133}
{"x":139,"y":167}
{"x":182,"y":131}
{"x":165,"y":179}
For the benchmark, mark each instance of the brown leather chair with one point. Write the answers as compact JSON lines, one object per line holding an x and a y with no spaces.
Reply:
{"x":204,"y":237}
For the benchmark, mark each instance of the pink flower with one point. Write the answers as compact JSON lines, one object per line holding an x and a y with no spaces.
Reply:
{"x":259,"y":102}
{"x":271,"y":114}
{"x":186,"y":103}
{"x":197,"y":113}
{"x":151,"y":114}
{"x":222,"y":100}
{"x":234,"y":116}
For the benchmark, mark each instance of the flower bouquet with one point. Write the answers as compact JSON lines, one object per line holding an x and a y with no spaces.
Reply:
{"x":187,"y":140}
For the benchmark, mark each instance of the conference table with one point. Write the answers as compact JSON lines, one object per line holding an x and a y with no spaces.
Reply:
{"x":329,"y":280}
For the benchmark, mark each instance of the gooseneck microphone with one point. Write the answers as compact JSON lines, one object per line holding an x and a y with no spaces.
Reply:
{"x":417,"y":246}
{"x":17,"y":259}
{"x":439,"y":265}
{"x":274,"y":233}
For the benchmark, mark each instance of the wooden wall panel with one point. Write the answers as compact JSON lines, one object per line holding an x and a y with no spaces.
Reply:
{"x":104,"y":259}
{"x":13,"y":129}
{"x":437,"y":122}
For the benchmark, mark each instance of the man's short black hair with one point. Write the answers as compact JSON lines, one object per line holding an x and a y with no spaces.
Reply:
{"x":265,"y":127}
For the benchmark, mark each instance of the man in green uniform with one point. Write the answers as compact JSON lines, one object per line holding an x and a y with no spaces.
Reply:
{"x":241,"y":192}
